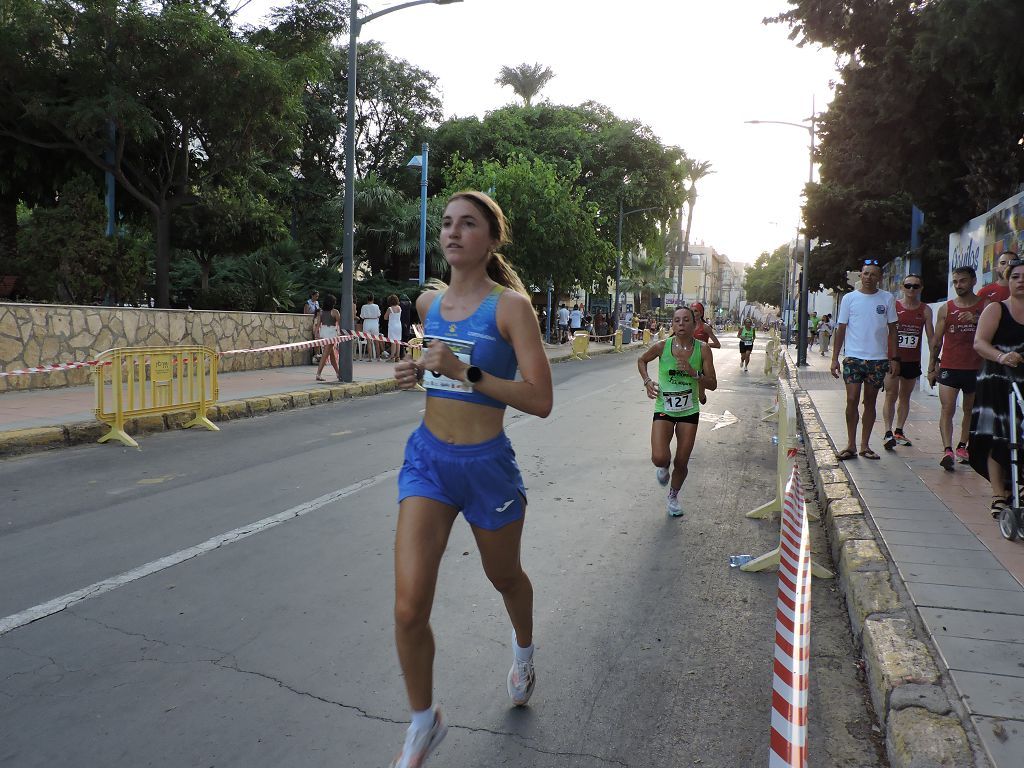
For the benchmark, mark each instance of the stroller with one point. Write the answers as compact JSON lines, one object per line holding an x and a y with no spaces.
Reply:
{"x":1011,"y":520}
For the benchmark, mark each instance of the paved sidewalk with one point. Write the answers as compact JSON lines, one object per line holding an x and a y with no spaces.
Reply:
{"x":69,"y":405}
{"x":965,"y":580}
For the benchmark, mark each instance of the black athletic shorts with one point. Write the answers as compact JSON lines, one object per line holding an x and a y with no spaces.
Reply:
{"x":910,"y":370}
{"x":693,"y":418}
{"x":746,"y":347}
{"x":958,"y":378}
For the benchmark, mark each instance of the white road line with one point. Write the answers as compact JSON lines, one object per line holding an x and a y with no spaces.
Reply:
{"x":58,"y":604}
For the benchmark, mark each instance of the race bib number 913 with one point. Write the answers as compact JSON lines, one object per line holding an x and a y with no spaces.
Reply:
{"x":908,"y":340}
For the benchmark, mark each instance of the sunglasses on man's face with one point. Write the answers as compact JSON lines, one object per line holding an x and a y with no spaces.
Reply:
{"x":911,"y":286}
{"x":871,"y":262}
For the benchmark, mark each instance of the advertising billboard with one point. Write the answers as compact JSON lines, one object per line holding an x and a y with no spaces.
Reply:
{"x":980,"y":242}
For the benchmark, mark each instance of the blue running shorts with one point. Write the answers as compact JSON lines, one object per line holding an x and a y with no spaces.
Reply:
{"x":481,"y":480}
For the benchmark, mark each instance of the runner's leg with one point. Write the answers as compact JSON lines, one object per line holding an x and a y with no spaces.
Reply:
{"x":661,"y":443}
{"x":889,"y":404}
{"x":947,"y":407}
{"x":500,"y":555}
{"x":420,"y":540}
{"x":965,"y":422}
{"x":907,"y":387}
{"x":686,"y":434}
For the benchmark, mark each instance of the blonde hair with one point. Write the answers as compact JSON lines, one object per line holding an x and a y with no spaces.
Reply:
{"x":498,"y":267}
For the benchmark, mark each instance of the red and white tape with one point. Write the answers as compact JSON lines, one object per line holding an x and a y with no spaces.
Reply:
{"x":792,"y":634}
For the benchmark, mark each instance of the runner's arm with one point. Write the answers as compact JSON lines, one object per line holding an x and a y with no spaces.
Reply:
{"x":708,"y":378}
{"x":653,"y":352}
{"x":929,"y":328}
{"x":935,"y":342}
{"x":713,"y":341}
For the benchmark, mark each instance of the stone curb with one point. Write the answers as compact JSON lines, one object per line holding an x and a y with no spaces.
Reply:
{"x":20,"y":441}
{"x":904,"y":680}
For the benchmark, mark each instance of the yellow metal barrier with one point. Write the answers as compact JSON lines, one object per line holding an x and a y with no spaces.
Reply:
{"x":145,"y":381}
{"x":787,"y":440}
{"x":647,"y":337}
{"x":580,"y":346}
{"x":617,"y":342}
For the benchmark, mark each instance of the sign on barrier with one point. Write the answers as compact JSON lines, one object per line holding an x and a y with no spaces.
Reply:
{"x":143,"y":381}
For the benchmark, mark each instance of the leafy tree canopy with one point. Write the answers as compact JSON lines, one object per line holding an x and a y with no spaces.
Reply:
{"x":526,"y":80}
{"x":764,"y":280}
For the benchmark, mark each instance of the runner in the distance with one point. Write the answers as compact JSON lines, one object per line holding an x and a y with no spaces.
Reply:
{"x":702,"y":331}
{"x":478,"y":331}
{"x":746,"y":335}
{"x":684,"y":365}
{"x":913,"y":317}
{"x":955,"y":326}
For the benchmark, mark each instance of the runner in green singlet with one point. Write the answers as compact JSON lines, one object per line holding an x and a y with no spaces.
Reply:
{"x":684,"y":366}
{"x":746,"y":336}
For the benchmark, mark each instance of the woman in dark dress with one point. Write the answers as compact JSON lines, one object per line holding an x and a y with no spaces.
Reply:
{"x":1000,"y":341}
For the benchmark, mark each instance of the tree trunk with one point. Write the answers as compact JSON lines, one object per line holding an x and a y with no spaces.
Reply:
{"x":686,"y":237}
{"x":8,"y":232}
{"x":163,"y":256}
{"x":204,"y":273}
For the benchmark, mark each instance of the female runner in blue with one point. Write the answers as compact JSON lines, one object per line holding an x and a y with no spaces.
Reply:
{"x":476,"y":334}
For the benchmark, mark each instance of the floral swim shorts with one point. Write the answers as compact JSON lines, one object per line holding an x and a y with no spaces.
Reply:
{"x":857,"y":371}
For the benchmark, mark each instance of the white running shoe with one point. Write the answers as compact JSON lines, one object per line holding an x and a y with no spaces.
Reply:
{"x":419,"y":744}
{"x":521,"y":679}
{"x":661,"y":474}
{"x":674,"y":509}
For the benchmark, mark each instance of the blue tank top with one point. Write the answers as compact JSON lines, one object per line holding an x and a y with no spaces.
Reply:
{"x":476,"y":340}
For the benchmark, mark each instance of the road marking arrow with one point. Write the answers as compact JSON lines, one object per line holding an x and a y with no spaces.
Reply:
{"x":720,"y":420}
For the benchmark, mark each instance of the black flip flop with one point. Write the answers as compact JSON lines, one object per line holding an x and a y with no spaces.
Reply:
{"x":869,"y":454}
{"x":845,"y":454}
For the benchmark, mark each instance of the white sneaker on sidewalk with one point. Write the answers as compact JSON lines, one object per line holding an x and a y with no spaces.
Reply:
{"x":674,"y":510}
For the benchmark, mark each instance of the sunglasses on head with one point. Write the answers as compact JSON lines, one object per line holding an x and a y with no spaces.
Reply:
{"x":872,"y":262}
{"x":911,"y":286}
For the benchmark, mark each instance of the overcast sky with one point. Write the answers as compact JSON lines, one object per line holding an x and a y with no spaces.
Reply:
{"x":693,"y":70}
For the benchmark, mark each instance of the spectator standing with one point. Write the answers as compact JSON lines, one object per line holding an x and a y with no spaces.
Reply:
{"x":999,"y":339}
{"x":312,"y":308}
{"x":563,"y":323}
{"x":999,"y":290}
{"x":813,"y":321}
{"x":825,"y":329}
{"x":406,"y":306}
{"x":575,"y":319}
{"x":328,"y":321}
{"x":955,"y":325}
{"x":867,"y":329}
{"x":370,"y":315}
{"x":394,"y":315}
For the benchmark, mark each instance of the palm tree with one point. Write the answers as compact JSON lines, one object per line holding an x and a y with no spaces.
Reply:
{"x":696,"y":171}
{"x":526,"y":80}
{"x":646,"y":272}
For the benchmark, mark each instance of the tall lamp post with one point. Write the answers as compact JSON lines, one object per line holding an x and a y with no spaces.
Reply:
{"x":801,"y":352}
{"x":421,"y":161}
{"x":618,"y":261}
{"x":355,"y":25}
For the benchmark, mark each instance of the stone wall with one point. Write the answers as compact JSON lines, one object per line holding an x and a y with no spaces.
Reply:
{"x":43,"y":334}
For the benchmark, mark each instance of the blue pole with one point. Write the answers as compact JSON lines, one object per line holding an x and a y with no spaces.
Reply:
{"x":423,"y":214}
{"x":547,"y":334}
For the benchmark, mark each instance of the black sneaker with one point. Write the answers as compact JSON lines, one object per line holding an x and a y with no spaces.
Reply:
{"x":889,"y":442}
{"x":901,"y":439}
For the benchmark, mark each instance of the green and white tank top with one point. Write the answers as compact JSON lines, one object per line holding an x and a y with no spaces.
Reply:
{"x":677,"y":392}
{"x":747,"y":335}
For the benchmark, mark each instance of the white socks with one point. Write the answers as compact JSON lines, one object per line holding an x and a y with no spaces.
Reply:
{"x":522,"y":654}
{"x":422,"y":721}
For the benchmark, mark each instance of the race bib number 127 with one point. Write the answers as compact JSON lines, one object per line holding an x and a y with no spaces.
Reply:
{"x":677,"y":402}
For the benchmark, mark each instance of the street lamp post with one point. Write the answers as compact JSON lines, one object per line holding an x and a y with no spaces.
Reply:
{"x":618,"y":261}
{"x":355,"y":25}
{"x":801,"y":353}
{"x":421,"y":160}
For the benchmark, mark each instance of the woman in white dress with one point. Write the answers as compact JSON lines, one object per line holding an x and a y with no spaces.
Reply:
{"x":394,"y":315}
{"x":370,"y":313}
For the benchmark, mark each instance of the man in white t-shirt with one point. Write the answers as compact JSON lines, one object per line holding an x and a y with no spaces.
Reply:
{"x":563,"y":323}
{"x":867,"y":327}
{"x":575,"y":319}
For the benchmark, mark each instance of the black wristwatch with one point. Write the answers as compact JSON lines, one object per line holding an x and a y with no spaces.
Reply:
{"x":474,"y":374}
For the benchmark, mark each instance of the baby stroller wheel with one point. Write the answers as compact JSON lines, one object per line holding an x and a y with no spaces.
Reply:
{"x":1010,"y":524}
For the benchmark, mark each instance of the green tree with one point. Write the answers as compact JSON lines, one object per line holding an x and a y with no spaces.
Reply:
{"x":695,"y":171}
{"x":66,"y":256}
{"x":188,"y":99}
{"x":526,"y":80}
{"x":553,"y":229}
{"x":645,"y":273}
{"x":763,"y":281}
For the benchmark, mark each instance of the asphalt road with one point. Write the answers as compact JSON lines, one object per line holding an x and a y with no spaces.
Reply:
{"x":232,"y":597}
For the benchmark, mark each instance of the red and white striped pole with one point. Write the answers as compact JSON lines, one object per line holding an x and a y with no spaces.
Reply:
{"x":792,"y":634}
